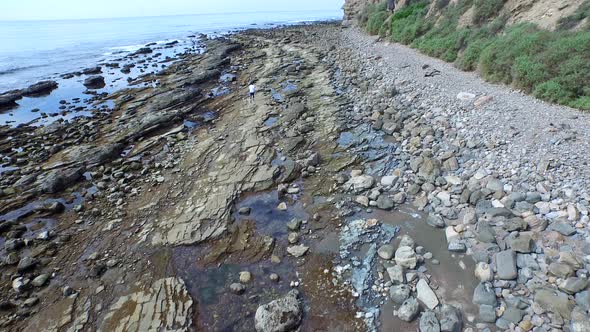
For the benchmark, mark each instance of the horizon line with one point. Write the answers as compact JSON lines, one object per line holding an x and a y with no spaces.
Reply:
{"x":170,"y":15}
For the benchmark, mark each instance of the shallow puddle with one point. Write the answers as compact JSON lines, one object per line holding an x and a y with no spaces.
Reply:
{"x":271,"y":121}
{"x":219,"y":309}
{"x":264,"y":211}
{"x":456,"y":283}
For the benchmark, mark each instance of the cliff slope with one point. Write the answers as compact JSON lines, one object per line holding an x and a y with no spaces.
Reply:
{"x":544,"y":13}
{"x":540,"y":47}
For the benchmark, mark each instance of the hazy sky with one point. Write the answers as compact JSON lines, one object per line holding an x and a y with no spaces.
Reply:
{"x":72,"y":9}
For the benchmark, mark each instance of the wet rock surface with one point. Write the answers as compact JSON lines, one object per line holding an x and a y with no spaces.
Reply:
{"x":349,"y":195}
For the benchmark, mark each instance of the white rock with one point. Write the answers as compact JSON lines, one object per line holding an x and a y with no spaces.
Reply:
{"x":426,"y":295}
{"x":445,"y":197}
{"x":572,"y":213}
{"x":465,"y":96}
{"x":544,"y":207}
{"x":451,"y":234}
{"x":362,"y":200}
{"x":483,"y":272}
{"x":388,"y":180}
{"x":406,"y":257}
{"x":496,"y":203}
{"x":453,"y":180}
{"x":356,"y":172}
{"x":396,"y":274}
{"x":361,"y":182}
{"x":298,"y":250}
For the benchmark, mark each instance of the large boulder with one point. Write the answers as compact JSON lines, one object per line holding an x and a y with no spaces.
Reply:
{"x":450,"y":319}
{"x":94,"y":82}
{"x":406,"y":257}
{"x":59,"y":179}
{"x":143,"y":50}
{"x":408,"y":310}
{"x":554,"y":301}
{"x":280,"y":315}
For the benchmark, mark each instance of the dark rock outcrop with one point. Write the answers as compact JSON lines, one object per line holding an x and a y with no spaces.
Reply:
{"x":40,"y":88}
{"x":94,"y":82}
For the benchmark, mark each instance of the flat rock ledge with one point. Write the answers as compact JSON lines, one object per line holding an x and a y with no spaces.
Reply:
{"x":164,"y":306}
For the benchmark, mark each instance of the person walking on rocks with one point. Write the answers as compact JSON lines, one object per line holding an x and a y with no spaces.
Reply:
{"x":252,"y":91}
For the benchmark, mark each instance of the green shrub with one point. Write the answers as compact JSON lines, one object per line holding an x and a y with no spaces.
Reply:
{"x":376,"y":21}
{"x":582,"y":103}
{"x":486,"y":9}
{"x":372,"y":18}
{"x":445,"y":45}
{"x":368,"y":10}
{"x":498,"y":58}
{"x":552,"y":91}
{"x":472,"y":53}
{"x":528,"y":73}
{"x":409,"y":23}
{"x":440,"y":4}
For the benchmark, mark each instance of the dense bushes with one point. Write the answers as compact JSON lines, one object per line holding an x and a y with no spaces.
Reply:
{"x":552,"y":65}
{"x":409,"y":23}
{"x":373,"y":16}
{"x":376,"y":21}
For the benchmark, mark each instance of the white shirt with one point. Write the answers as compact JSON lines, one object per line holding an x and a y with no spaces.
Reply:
{"x":252,"y":88}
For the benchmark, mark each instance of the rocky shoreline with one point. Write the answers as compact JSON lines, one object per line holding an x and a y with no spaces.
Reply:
{"x":353,"y":194}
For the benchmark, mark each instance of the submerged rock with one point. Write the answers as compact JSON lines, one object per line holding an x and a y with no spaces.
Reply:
{"x":298,"y":250}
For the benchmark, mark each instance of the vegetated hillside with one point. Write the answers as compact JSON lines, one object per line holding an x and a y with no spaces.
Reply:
{"x":541,"y":47}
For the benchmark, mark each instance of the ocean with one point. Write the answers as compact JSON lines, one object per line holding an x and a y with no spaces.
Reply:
{"x":31,"y":51}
